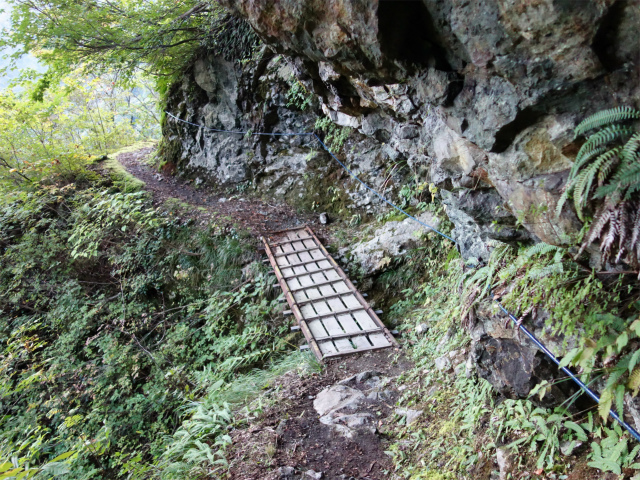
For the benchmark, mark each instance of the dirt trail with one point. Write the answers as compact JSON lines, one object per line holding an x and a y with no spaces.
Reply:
{"x":252,"y":214}
{"x":288,"y":435}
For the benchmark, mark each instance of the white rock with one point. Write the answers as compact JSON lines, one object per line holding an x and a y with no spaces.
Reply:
{"x":336,"y":397}
{"x":412,"y":415}
{"x":286,"y":472}
{"x":505,"y":462}
{"x":443,"y":363}
{"x":567,"y":447}
{"x":422,"y":329}
{"x":389,"y":241}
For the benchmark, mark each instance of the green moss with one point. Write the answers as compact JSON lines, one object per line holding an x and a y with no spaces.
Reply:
{"x":119,"y":175}
{"x":323,"y":192}
{"x":169,"y":151}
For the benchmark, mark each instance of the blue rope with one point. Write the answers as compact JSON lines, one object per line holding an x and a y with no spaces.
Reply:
{"x":573,"y":377}
{"x":530,"y":335}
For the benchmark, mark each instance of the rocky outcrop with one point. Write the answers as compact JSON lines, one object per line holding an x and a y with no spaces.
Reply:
{"x":257,"y":96}
{"x":479,"y":98}
{"x":393,"y":239}
{"x":509,"y":361}
{"x":346,"y":406}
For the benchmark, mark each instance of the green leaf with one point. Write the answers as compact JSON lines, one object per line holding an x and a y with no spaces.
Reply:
{"x":579,"y":431}
{"x":567,"y":359}
{"x":11,"y":473}
{"x":622,"y":340}
{"x":634,"y":360}
{"x":63,"y":456}
{"x":620,"y":399}
{"x":606,"y":466}
{"x":604,"y":407}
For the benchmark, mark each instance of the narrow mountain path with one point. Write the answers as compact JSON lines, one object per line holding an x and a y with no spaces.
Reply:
{"x":239,"y":209}
{"x":330,"y":425}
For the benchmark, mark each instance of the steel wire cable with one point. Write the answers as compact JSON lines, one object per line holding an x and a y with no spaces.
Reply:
{"x":513,"y":319}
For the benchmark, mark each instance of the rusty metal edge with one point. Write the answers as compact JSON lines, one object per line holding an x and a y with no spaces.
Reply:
{"x":277,"y":244}
{"x":357,"y":294}
{"x":358,"y":350}
{"x":292,"y":303}
{"x":284,"y":230}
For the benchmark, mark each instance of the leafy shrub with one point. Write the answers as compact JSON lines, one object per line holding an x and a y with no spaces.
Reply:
{"x":298,"y":96}
{"x":56,"y":137}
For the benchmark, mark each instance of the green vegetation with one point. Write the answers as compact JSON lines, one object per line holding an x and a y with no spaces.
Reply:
{"x":463,"y":425}
{"x":131,"y":337}
{"x":610,"y":157}
{"x":298,"y":96}
{"x":602,"y":316}
{"x":120,"y":177}
{"x":55,"y":136}
{"x":335,"y":135}
{"x":159,"y":37}
{"x":121,"y":328}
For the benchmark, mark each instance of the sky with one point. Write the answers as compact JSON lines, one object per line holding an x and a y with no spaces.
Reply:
{"x":27,"y":61}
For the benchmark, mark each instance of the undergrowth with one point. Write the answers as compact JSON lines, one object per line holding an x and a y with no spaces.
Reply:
{"x":605,"y":179}
{"x":127,"y":334}
{"x":335,"y":135}
{"x":464,"y":422}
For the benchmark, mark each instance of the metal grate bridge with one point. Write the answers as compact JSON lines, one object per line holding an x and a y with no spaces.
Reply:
{"x":334,"y":317}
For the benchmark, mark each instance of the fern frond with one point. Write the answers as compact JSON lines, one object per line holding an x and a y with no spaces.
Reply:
{"x":606,"y":117}
{"x":600,"y":221}
{"x":606,"y":399}
{"x":622,"y":237}
{"x":603,"y":137}
{"x":540,"y":249}
{"x":635,"y":228}
{"x":631,"y":180}
{"x":628,"y":165}
{"x":607,"y":165}
{"x":634,"y":381}
{"x":614,"y":229}
{"x":541,"y":272}
{"x":579,"y":163}
{"x":562,"y":200}
{"x":581,"y":188}
{"x":630,"y":150}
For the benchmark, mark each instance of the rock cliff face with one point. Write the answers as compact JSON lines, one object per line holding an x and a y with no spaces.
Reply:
{"x":479,"y":98}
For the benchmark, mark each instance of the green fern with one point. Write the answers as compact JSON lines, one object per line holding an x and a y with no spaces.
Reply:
{"x":606,"y":117}
{"x":607,"y":172}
